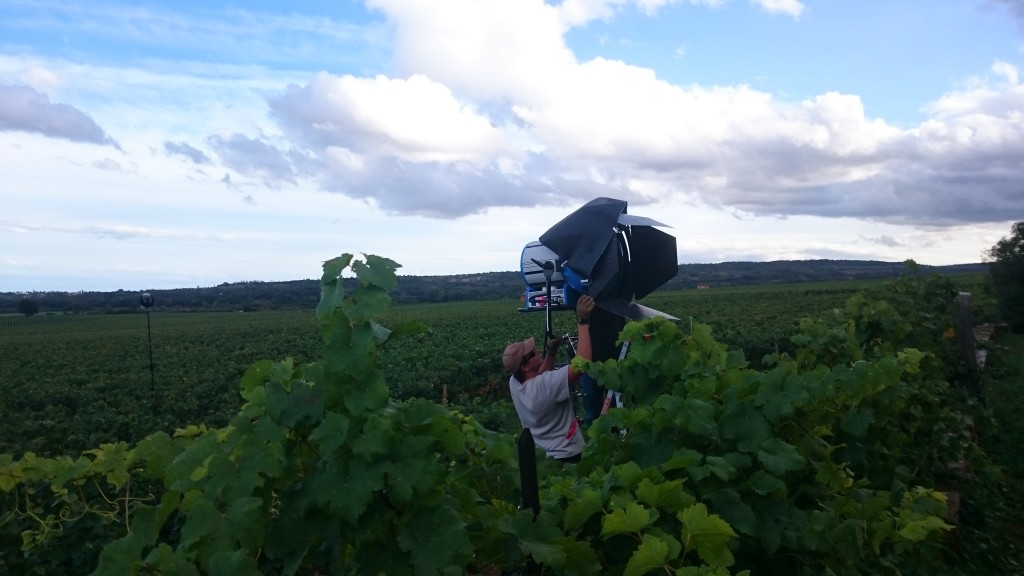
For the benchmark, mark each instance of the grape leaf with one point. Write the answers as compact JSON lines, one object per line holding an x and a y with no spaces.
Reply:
{"x":630,"y":519}
{"x":708,"y":534}
{"x":650,"y":555}
{"x":580,"y":509}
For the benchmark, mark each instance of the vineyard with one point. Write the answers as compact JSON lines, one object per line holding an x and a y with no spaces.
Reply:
{"x":76,"y":381}
{"x":794,"y":429}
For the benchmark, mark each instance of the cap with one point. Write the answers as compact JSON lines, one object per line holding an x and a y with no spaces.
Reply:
{"x":513,"y":356}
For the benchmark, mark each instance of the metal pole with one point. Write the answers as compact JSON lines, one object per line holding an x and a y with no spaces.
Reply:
{"x":146,"y":301}
{"x":152,"y":380}
{"x":549,"y":272}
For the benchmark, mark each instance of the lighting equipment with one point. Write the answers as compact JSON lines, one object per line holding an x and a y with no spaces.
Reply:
{"x":602,"y":251}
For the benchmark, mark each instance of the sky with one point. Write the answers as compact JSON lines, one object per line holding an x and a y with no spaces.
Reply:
{"x":162,"y":144}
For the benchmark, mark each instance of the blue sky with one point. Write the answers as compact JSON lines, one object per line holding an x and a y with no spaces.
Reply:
{"x":175,"y":144}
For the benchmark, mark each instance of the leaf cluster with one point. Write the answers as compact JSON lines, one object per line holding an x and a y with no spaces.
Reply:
{"x":1006,"y":268}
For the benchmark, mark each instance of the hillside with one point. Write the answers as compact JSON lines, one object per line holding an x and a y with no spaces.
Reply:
{"x":257,"y":295}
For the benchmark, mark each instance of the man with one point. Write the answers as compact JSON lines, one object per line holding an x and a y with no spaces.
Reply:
{"x":542,"y":396}
{"x":605,"y":327}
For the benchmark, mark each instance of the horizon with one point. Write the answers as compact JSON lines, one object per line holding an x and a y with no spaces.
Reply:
{"x":401,"y":275}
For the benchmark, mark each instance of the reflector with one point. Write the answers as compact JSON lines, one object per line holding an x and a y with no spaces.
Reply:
{"x":601,"y":250}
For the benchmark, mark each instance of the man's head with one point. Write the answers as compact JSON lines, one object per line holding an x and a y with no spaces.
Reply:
{"x":515,"y":353}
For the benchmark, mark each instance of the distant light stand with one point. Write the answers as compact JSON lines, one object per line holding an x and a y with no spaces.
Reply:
{"x":146,"y":301}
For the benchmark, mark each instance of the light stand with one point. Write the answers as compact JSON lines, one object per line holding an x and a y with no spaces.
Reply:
{"x":549,"y":272}
{"x":146,"y":301}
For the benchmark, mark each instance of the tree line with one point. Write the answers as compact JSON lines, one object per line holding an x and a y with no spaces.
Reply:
{"x":257,"y":295}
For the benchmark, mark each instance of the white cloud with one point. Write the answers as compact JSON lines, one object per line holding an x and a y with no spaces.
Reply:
{"x":492,"y":116}
{"x":487,"y":50}
{"x":415,"y":120}
{"x":108,"y":164}
{"x":793,"y":8}
{"x":580,"y":12}
{"x":111,"y":231}
{"x":1007,"y":70}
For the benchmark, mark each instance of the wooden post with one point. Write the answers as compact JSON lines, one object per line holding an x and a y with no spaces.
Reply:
{"x":968,"y":349}
{"x":528,"y":472}
{"x":530,"y":487}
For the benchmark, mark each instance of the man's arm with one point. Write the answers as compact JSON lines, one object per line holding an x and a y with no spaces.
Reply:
{"x":549,"y":358}
{"x":584,"y":306}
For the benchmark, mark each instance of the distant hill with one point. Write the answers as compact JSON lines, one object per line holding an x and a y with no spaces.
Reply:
{"x":788,"y":271}
{"x":304,"y":294}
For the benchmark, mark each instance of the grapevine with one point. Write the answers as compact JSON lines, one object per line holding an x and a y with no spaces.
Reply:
{"x":826,"y":460}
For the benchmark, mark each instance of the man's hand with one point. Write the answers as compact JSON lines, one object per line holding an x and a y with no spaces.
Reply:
{"x":584,"y":306}
{"x":554,"y":343}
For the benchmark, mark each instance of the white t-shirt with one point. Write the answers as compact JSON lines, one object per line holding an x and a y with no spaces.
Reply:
{"x":545,"y":407}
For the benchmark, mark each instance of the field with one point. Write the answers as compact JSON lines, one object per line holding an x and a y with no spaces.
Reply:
{"x":845,"y":456}
{"x":71,"y":382}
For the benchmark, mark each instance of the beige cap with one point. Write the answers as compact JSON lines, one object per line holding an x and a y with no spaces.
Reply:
{"x":513,"y":356}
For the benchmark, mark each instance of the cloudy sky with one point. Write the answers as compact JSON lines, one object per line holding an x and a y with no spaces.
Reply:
{"x":189,"y":143}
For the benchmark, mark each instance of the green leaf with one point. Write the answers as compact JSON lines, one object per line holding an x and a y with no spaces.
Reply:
{"x":335,"y":266}
{"x":728,"y":504}
{"x":204,"y":523}
{"x":856,"y":422}
{"x":332,"y":290}
{"x":255,"y":377}
{"x":165,"y":560}
{"x":407,"y":328}
{"x":367,"y":304}
{"x":580,"y":558}
{"x":670,"y":495}
{"x":681,"y":459}
{"x":543,"y":552}
{"x":377,"y":437}
{"x":416,"y":472}
{"x":764,"y":483}
{"x":650,"y":555}
{"x":537,"y":537}
{"x":435,"y":538}
{"x":745,"y":425}
{"x":628,"y":474}
{"x":9,"y":472}
{"x":120,"y":557}
{"x":331,"y":434}
{"x":698,"y":417}
{"x":157,"y":450}
{"x":586,"y":504}
{"x":919,"y":529}
{"x":233,"y":563}
{"x":709,"y":535}
{"x":628,"y":520}
{"x":377,"y":271}
{"x":246,"y":516}
{"x":721,"y":468}
{"x":302,"y":407}
{"x":779,"y":457}
{"x":295,"y":532}
{"x":345,"y":490}
{"x":112,"y":460}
